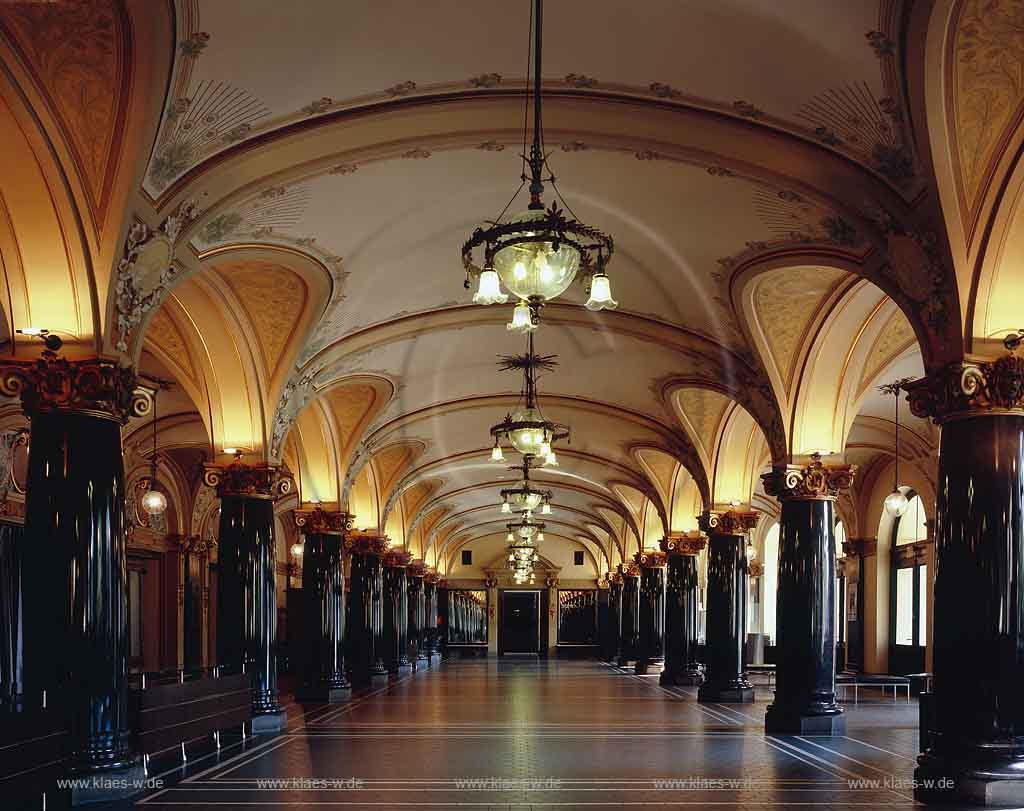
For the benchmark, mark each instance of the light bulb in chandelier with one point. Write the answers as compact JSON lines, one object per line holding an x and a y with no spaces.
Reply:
{"x":154,"y":502}
{"x":522,"y":319}
{"x":496,"y":454}
{"x":536,"y":270}
{"x":489,"y":289}
{"x":896,"y":503}
{"x":510,"y":537}
{"x":751,"y":551}
{"x":297,"y":549}
{"x":545,"y":508}
{"x":506,"y":507}
{"x":551,"y":460}
{"x":600,"y":294}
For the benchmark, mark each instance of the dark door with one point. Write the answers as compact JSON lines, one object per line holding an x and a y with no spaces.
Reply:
{"x":519,"y":631}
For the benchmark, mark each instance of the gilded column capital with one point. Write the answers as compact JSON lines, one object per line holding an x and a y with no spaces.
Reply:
{"x":246,"y":481}
{"x":969,"y":389}
{"x":684,"y":543}
{"x":432,"y":576}
{"x":814,"y":481}
{"x":630,"y":569}
{"x":651,"y":559}
{"x":728,"y":522}
{"x":418,"y":568}
{"x":397,"y":558}
{"x":318,"y":521}
{"x":614,"y":579}
{"x":364,"y":544}
{"x":99,"y":387}
{"x":196,"y":545}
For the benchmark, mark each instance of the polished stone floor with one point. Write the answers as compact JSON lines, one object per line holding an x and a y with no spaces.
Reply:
{"x":523,"y":733}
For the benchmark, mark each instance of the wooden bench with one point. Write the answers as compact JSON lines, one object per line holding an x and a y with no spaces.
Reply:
{"x":856,"y":681}
{"x":168,"y":712}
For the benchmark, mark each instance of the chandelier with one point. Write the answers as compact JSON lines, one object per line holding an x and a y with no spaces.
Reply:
{"x":537,"y":254}
{"x":154,"y":502}
{"x":524,"y":497}
{"x":896,"y":502}
{"x":526,"y":428}
{"x":523,"y":538}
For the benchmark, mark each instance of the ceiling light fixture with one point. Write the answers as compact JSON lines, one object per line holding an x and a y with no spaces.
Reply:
{"x":896,"y":502}
{"x":154,"y":502}
{"x":538,"y":253}
{"x":524,"y":497}
{"x":527,"y":429}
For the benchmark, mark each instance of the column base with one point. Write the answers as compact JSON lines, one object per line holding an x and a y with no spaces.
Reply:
{"x":959,"y":780}
{"x":651,"y":667}
{"x":725,"y":694}
{"x":624,"y":661}
{"x":785,"y":721}
{"x":110,"y":786}
{"x":681,"y":679}
{"x":269,"y":723}
{"x":331,"y":695}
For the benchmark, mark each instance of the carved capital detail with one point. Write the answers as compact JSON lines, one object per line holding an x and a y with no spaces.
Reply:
{"x":248,"y":481}
{"x":317,"y":521}
{"x":684,"y":543}
{"x":366,"y":544}
{"x":397,"y":558}
{"x":651,"y":559}
{"x":969,"y":390}
{"x":432,"y":576}
{"x":96,"y":386}
{"x":630,"y":569}
{"x":418,"y":568}
{"x":755,"y":568}
{"x":728,"y":522}
{"x":813,"y":481}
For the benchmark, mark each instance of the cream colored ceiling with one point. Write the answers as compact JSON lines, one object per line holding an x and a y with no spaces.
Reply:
{"x":371,"y":172}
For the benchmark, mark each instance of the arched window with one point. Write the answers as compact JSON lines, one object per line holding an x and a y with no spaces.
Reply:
{"x":909,"y":625}
{"x":771,"y":580}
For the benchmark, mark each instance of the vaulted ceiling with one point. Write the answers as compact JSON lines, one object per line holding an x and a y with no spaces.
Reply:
{"x":296,"y":193}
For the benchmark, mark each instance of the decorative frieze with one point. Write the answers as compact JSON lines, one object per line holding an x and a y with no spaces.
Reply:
{"x":247,"y":481}
{"x":318,"y":521}
{"x":684,"y":543}
{"x":728,"y":522}
{"x":812,"y":481}
{"x":969,"y":390}
{"x":96,"y":386}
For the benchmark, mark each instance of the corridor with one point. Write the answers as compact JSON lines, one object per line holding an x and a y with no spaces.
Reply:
{"x":528,"y":733}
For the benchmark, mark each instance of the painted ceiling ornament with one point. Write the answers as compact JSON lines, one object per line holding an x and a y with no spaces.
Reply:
{"x":537,"y":254}
{"x":684,"y":543}
{"x":527,"y":429}
{"x":294,"y":396}
{"x":146,"y":272}
{"x":970,"y":389}
{"x":812,"y":481}
{"x":318,"y":521}
{"x":728,"y":521}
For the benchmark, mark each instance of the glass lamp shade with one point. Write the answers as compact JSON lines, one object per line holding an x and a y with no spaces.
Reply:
{"x":751,"y":552}
{"x":551,"y":460}
{"x":529,"y":438}
{"x":534,"y":270}
{"x":522,"y":320}
{"x":600,"y":294}
{"x":489,"y":290}
{"x":527,"y":531}
{"x":540,"y":537}
{"x":546,"y":509}
{"x":510,"y":537}
{"x":496,"y":454}
{"x":154,"y":502}
{"x":896,"y":504}
{"x":297,"y":550}
{"x":523,"y":499}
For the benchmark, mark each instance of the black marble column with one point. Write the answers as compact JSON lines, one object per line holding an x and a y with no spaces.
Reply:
{"x":74,"y":584}
{"x":396,"y":610}
{"x":430,"y":644}
{"x":805,"y":673}
{"x":630,"y":636}
{"x":682,"y":662}
{"x":973,"y":730}
{"x":726,"y":679}
{"x":417,"y":611}
{"x":247,"y":583}
{"x":323,"y":595}
{"x":367,"y":610}
{"x":650,"y":656}
{"x":612,"y":633}
{"x":12,"y":541}
{"x":441,"y":634}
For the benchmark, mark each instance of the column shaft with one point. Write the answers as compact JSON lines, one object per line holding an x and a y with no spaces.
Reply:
{"x":630,"y":618}
{"x":74,"y":584}
{"x":682,"y":662}
{"x":651,"y":649}
{"x":323,"y":594}
{"x":247,"y":601}
{"x":417,"y":614}
{"x":726,"y":621}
